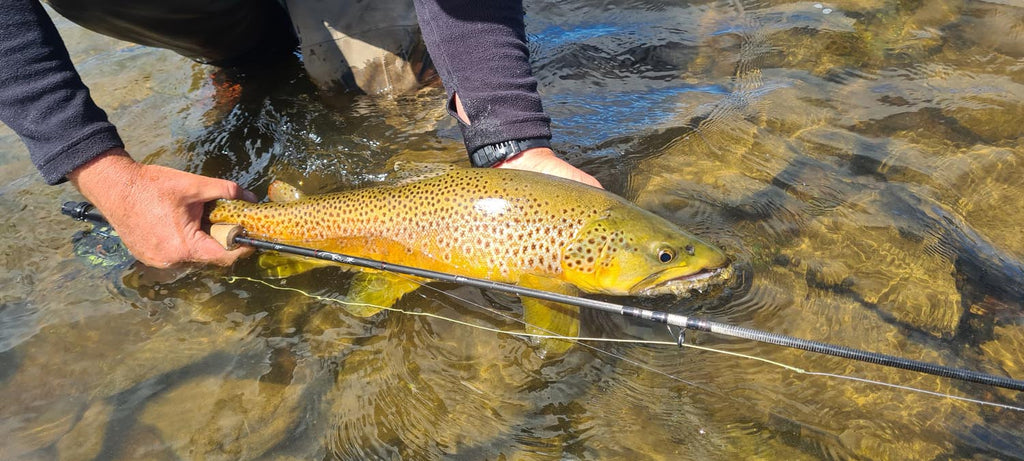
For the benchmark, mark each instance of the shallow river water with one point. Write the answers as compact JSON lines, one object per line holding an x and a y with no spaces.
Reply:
{"x":861,"y":160}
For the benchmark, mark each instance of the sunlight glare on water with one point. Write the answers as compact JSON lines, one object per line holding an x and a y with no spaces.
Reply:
{"x":860,"y":160}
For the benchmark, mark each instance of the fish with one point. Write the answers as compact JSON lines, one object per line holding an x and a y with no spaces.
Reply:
{"x":512,"y":226}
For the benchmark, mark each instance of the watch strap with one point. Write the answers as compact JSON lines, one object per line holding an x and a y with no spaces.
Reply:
{"x":493,"y":154}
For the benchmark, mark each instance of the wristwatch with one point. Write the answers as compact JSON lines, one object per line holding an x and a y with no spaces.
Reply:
{"x":493,"y":154}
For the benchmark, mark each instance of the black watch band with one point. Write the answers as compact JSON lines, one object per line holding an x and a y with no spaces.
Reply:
{"x":493,"y":154}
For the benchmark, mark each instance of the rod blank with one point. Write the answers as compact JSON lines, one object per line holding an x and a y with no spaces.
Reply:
{"x":84,"y":211}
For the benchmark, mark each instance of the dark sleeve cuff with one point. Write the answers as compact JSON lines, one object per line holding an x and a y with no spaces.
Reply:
{"x":479,"y":48}
{"x":484,"y":134}
{"x":57,"y":166}
{"x":42,"y":97}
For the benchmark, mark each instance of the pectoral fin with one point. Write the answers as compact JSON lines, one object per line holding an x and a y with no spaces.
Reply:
{"x":278,"y":266}
{"x":550,"y":318}
{"x":372,"y":292}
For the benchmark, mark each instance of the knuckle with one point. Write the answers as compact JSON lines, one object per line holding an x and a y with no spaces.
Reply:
{"x":231,"y":189}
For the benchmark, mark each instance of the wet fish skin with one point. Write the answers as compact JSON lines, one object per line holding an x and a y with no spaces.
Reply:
{"x":492,"y":223}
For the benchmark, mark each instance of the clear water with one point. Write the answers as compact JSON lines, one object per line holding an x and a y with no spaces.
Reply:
{"x":861,"y":160}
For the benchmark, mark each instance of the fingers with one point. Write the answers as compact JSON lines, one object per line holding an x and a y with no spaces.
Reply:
{"x":197,"y":188}
{"x":588,"y":179}
{"x":198,"y":247}
{"x":544,"y":160}
{"x":158,"y":211}
{"x":248,"y":196}
{"x":206,"y":189}
{"x":207,"y":251}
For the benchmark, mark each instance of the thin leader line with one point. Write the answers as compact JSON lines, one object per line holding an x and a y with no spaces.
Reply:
{"x":551,"y":334}
{"x":579,"y":340}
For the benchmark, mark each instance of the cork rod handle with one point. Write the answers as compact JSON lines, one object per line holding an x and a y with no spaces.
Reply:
{"x":225,"y":234}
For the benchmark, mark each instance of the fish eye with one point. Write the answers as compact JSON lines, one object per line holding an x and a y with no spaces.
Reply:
{"x":666,"y":255}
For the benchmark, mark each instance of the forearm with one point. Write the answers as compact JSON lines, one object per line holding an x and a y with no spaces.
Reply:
{"x":42,"y":97}
{"x":479,"y":48}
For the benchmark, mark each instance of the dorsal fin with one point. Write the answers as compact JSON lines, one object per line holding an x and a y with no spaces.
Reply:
{"x":407,"y":172}
{"x":281,"y":191}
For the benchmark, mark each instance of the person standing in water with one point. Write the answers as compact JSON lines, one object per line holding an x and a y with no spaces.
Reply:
{"x":478,"y":49}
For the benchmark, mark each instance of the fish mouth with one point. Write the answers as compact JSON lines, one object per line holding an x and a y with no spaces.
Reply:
{"x":681,"y":286}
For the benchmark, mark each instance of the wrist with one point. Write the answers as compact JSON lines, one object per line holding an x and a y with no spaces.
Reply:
{"x":97,"y":178}
{"x":494,"y":154}
{"x":531,"y":156}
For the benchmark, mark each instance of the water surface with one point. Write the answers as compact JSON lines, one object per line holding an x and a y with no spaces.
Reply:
{"x":861,"y":160}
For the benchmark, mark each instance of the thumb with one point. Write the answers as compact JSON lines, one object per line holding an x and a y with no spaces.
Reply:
{"x":207,"y":250}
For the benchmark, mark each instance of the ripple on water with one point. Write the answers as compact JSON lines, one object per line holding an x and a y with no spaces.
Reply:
{"x":391,"y":390}
{"x":864,"y":163}
{"x":19,"y":322}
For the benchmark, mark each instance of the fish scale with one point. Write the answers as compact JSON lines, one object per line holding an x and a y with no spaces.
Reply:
{"x":497,"y":224}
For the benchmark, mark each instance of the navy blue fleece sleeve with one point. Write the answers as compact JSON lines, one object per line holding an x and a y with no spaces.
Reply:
{"x":43,"y":99}
{"x":479,"y":48}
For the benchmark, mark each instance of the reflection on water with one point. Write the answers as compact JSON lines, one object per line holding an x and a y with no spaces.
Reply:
{"x":860,"y":159}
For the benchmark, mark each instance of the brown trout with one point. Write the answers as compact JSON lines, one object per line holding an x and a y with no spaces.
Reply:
{"x":510,"y":226}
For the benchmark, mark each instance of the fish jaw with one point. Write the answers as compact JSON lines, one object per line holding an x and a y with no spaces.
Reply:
{"x":682,"y":283}
{"x":708,"y":266}
{"x":632,"y":274}
{"x":700,"y":267}
{"x":632,"y":252}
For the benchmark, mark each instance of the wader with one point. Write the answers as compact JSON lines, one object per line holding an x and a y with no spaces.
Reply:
{"x":371,"y":45}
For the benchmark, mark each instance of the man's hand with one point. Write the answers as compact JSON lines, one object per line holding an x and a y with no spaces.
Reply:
{"x":544,"y":160}
{"x":539,"y":159}
{"x":156,"y":210}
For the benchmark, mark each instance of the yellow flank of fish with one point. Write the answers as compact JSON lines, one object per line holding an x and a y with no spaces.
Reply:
{"x":497,"y":224}
{"x":531,"y":229}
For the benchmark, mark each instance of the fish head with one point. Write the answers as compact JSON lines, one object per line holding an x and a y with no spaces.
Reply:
{"x":632,"y":252}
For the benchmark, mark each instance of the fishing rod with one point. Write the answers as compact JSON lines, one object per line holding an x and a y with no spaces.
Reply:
{"x":230,"y":235}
